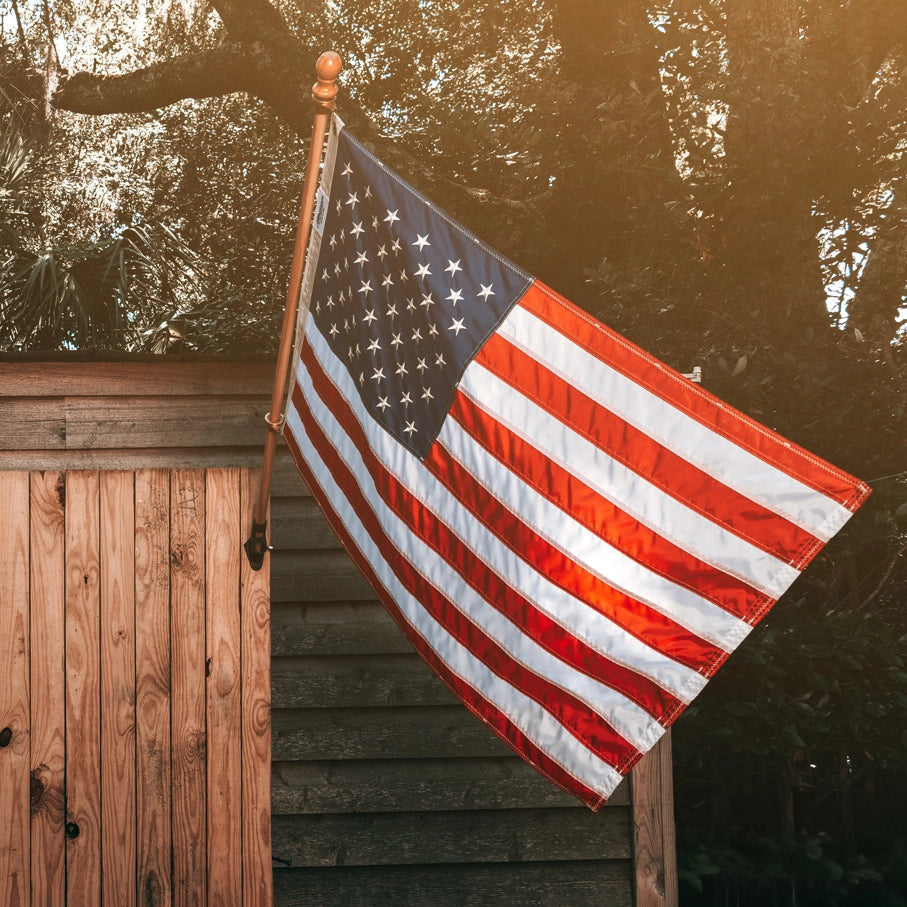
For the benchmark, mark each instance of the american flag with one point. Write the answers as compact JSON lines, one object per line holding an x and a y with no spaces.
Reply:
{"x":573,"y":535}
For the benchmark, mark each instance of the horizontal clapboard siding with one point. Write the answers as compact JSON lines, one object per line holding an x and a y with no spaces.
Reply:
{"x":384,"y":789}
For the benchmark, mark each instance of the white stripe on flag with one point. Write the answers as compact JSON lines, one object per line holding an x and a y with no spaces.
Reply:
{"x":733,"y":465}
{"x":586,"y":623}
{"x":632,"y":722}
{"x":532,"y":719}
{"x":654,"y":508}
{"x":613,"y":567}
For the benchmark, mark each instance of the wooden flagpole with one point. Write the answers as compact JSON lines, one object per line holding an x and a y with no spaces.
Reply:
{"x":324,"y":94}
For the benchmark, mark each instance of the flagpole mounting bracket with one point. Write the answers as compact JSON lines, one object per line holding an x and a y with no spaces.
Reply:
{"x":273,"y":424}
{"x":257,"y":545}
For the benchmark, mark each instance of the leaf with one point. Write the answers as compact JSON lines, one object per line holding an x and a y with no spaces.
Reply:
{"x":740,"y":366}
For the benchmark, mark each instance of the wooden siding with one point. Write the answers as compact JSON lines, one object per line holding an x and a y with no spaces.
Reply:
{"x":134,"y":732}
{"x":383,"y":788}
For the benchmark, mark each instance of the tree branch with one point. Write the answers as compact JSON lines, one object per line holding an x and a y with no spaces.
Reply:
{"x":215,"y":72}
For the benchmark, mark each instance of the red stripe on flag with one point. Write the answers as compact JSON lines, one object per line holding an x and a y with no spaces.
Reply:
{"x":633,"y":448}
{"x":644,"y":622}
{"x":645,"y":370}
{"x":601,"y":516}
{"x":575,"y":715}
{"x":477,"y":704}
{"x":550,"y":635}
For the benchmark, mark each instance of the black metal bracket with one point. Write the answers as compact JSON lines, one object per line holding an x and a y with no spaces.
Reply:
{"x":257,"y":545}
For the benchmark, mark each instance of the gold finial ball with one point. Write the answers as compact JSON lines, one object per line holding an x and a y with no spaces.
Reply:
{"x":328,"y":66}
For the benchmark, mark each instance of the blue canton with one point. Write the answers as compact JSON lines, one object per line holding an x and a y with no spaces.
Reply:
{"x":404,"y":296}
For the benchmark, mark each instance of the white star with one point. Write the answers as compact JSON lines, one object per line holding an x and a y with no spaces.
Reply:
{"x":387,"y":281}
{"x":391,"y":217}
{"x":424,"y":271}
{"x":391,"y":310}
{"x":427,"y":301}
{"x":366,"y":287}
{"x":378,"y":374}
{"x":401,"y":369}
{"x":421,"y":241}
{"x":339,"y":206}
{"x":455,"y":296}
{"x":362,"y":259}
{"x":397,"y":340}
{"x":410,"y":427}
{"x":410,"y":305}
{"x":422,"y":365}
{"x":368,"y":191}
{"x":348,"y":170}
{"x":485,"y":292}
{"x":382,"y":403}
{"x":357,"y":229}
{"x":417,"y":335}
{"x":333,"y":240}
{"x":369,"y":316}
{"x":453,"y":267}
{"x":396,"y":247}
{"x":334,"y":331}
{"x":427,"y":394}
{"x":353,"y":200}
{"x":432,"y":329}
{"x":374,"y":346}
{"x":404,"y":277}
{"x":382,"y":251}
{"x":337,"y":267}
{"x":406,"y":399}
{"x":325,"y":275}
{"x":439,"y":360}
{"x":375,"y":222}
{"x":456,"y":326}
{"x":330,"y":302}
{"x":361,"y":378}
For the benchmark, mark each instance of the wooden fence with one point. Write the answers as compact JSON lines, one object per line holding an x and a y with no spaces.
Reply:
{"x":135,"y":701}
{"x":384,"y":789}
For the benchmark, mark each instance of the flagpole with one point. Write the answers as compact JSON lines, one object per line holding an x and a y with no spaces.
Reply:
{"x":324,"y":94}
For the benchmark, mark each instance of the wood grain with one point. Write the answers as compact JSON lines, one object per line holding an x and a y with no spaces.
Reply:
{"x":305,"y":576}
{"x":152,"y":669}
{"x":83,"y":689}
{"x":48,"y":685}
{"x":15,"y":862}
{"x":335,"y":628}
{"x":415,"y":785}
{"x":654,"y":842}
{"x":476,"y":836}
{"x":600,"y":883}
{"x":392,"y":733}
{"x":222,"y":522}
{"x":118,"y":807}
{"x":75,"y":379}
{"x":256,"y":714}
{"x":27,"y":424}
{"x":187,"y":634}
{"x":344,"y":681}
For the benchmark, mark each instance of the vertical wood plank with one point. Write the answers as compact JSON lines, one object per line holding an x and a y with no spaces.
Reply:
{"x":654,"y":842}
{"x":117,"y":688}
{"x":255,"y":613}
{"x":15,"y":750}
{"x":222,"y":525}
{"x":152,"y":668}
{"x":83,"y":690}
{"x":48,"y":702}
{"x":187,"y":623}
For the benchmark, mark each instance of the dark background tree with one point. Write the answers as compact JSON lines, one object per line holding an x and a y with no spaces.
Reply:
{"x":723,"y":181}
